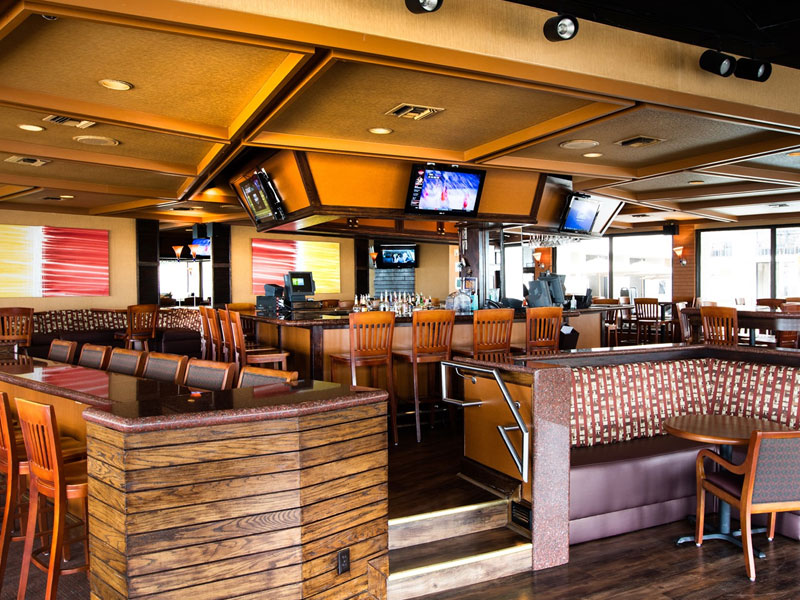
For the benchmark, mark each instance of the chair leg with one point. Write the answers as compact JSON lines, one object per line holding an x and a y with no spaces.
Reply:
{"x":30,"y":532}
{"x":700,"y":516}
{"x":431,"y":387}
{"x":56,"y":547}
{"x":747,"y":546}
{"x":8,"y":523}
{"x":770,"y":531}
{"x":415,"y":377}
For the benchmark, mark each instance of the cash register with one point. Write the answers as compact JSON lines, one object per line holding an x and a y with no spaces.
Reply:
{"x":297,"y":286}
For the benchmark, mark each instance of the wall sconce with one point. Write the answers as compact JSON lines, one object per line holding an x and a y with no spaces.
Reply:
{"x":178,"y":250}
{"x":194,"y":249}
{"x":679,"y":253}
{"x":537,"y":258}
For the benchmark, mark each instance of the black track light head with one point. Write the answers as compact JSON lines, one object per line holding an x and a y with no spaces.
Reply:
{"x":423,"y":6}
{"x":717,"y":63}
{"x":754,"y":70}
{"x":561,"y":28}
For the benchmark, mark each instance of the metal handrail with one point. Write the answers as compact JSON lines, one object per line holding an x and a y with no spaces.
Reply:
{"x":522,"y":463}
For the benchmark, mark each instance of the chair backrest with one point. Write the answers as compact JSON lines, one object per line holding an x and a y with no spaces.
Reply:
{"x":254,"y":376}
{"x":42,"y":442}
{"x":248,"y":325}
{"x":165,"y":367}
{"x":209,"y":374}
{"x":720,"y":325}
{"x":128,"y":362}
{"x":62,"y":351}
{"x":432,"y":332}
{"x":371,"y":334}
{"x":9,"y":457}
{"x":239,"y":347}
{"x":793,"y":298}
{"x":228,"y":346}
{"x":788,"y":339}
{"x":647,"y":309}
{"x":683,"y":320}
{"x":773,"y":303}
{"x":16,"y":325}
{"x":95,"y":357}
{"x":142,"y":319}
{"x":542,"y":329}
{"x":205,"y":333}
{"x":772,"y":469}
{"x":491,"y":330}
{"x":217,"y":348}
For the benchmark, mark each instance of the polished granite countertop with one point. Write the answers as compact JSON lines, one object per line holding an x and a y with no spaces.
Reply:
{"x":131,"y":404}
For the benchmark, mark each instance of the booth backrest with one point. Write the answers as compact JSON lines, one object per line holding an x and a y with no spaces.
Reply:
{"x":57,"y":321}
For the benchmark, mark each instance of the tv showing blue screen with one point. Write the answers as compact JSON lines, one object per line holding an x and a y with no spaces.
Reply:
{"x":579,"y":214}
{"x":204,"y":246}
{"x":396,"y":256}
{"x":444,"y":190}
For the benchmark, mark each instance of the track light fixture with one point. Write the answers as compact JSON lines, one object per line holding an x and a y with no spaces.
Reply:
{"x":717,"y":63}
{"x":754,"y":70}
{"x":423,"y":6}
{"x":561,"y":28}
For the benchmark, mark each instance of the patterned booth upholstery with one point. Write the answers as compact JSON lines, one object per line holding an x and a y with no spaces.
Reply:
{"x":617,"y":436}
{"x":178,"y":329}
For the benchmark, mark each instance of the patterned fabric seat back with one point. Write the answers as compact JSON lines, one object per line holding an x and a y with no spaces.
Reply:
{"x":165,"y":367}
{"x":777,"y":475}
{"x":209,"y":375}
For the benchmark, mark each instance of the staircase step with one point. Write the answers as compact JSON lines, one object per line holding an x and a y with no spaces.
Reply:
{"x":455,"y":562}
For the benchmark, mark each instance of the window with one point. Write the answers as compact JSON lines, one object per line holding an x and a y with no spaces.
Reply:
{"x":182,"y":280}
{"x":585,"y":265}
{"x":787,"y":262}
{"x":734,"y":265}
{"x":643,"y":265}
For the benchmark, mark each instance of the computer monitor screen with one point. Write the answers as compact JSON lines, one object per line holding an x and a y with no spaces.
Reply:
{"x":555,"y":284}
{"x":299,"y":283}
{"x":539,"y":294}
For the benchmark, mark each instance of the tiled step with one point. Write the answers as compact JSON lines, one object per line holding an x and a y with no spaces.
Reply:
{"x":448,"y":523}
{"x":454,"y":562}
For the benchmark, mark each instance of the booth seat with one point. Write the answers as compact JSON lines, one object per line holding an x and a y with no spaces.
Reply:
{"x":178,"y":329}
{"x":626,"y":473}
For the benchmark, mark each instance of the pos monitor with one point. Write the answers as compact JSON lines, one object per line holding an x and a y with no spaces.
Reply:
{"x":298,"y":284}
{"x":555,"y":285}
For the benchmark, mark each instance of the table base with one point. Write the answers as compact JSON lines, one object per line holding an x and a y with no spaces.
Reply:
{"x":733,"y":538}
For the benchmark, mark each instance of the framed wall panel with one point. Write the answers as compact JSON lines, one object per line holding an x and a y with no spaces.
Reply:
{"x":273,"y":258}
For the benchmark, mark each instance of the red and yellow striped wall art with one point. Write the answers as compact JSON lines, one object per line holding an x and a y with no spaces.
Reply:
{"x":273,"y":258}
{"x":40,"y":262}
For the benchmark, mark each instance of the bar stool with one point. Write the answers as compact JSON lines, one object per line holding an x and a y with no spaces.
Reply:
{"x":51,"y":478}
{"x":371,"y":345}
{"x":491,"y":333}
{"x":431,"y":336}
{"x":16,"y":327}
{"x":648,"y":314}
{"x":243,"y":356}
{"x":217,"y":351}
{"x":542,"y":329}
{"x":611,"y":320}
{"x":141,"y":325}
{"x":205,"y":334}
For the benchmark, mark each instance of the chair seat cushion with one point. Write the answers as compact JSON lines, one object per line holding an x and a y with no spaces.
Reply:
{"x":727,"y":481}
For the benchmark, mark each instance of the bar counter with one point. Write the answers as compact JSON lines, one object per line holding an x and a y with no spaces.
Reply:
{"x":250,"y":492}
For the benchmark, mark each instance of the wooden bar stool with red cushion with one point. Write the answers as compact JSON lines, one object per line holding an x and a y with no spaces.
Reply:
{"x":371,"y":336}
{"x":431,"y":336}
{"x":720,"y":325}
{"x":491,"y":333}
{"x":52,"y":478}
{"x":542,"y":329}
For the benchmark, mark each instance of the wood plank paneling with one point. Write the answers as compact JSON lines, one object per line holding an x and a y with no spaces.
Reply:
{"x":249,"y":510}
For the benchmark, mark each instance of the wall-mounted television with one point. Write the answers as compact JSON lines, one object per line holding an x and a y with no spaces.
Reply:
{"x":203,"y":246}
{"x":259,"y":196}
{"x":580,"y":212}
{"x":397,"y":256}
{"x":445,"y":190}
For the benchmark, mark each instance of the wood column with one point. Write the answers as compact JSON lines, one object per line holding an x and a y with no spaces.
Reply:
{"x":147,"y":258}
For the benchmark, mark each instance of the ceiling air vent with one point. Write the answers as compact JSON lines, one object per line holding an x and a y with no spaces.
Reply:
{"x":68,"y":121}
{"x":27,"y":160}
{"x":413,"y":111}
{"x":639,"y":141}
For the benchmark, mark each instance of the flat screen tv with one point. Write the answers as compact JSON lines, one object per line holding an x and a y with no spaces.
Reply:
{"x":259,"y":196}
{"x":579,"y":215}
{"x":397,"y":256}
{"x":203,"y":246}
{"x":445,"y":190}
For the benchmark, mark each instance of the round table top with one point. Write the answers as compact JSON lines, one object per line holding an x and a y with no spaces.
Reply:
{"x":719,"y":429}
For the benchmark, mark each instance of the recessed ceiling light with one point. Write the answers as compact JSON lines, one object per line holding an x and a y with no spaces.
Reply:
{"x":796,"y":153}
{"x":381,"y":130}
{"x":579,"y":144}
{"x":696,"y":182}
{"x":116,"y":84}
{"x":96,"y":140}
{"x":593,"y":154}
{"x":66,"y":196}
{"x":26,"y":127}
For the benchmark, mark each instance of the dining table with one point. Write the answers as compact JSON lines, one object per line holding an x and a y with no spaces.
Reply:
{"x":727,"y":431}
{"x":752,"y":318}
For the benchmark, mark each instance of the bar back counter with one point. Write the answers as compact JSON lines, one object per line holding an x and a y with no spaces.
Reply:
{"x":247,"y":493}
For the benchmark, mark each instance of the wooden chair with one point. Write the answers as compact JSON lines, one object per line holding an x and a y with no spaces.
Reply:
{"x":768,"y":481}
{"x":793,"y":299}
{"x":16,"y":327}
{"x":141,"y":325}
{"x":51,"y":478}
{"x":128,"y":362}
{"x":165,"y":367}
{"x":542,"y":329}
{"x":217,"y":347}
{"x":648,"y":314}
{"x":371,"y":336}
{"x":228,"y":347}
{"x":255,"y":376}
{"x":94,"y":357}
{"x":611,"y":320}
{"x":788,"y":339}
{"x":720,"y":325}
{"x":431,"y":338}
{"x":773,"y":303}
{"x":205,"y":335}
{"x":209,"y":374}
{"x":683,"y":322}
{"x":491,"y":332}
{"x":248,"y":326}
{"x":244,"y":356}
{"x":62,"y":351}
